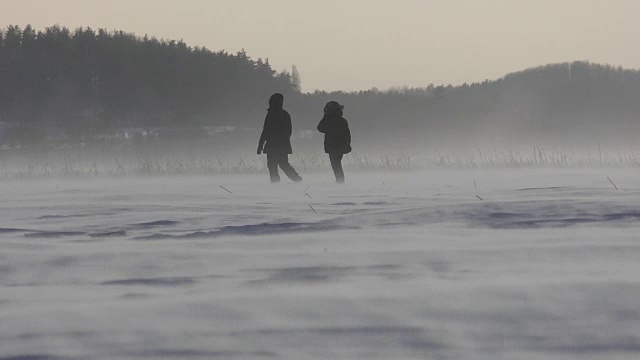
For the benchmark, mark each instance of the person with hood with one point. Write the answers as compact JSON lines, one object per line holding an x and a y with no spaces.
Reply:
{"x":275,"y":140}
{"x":337,"y":137}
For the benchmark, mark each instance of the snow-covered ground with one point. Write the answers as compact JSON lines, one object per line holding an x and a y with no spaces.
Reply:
{"x":509,"y":264}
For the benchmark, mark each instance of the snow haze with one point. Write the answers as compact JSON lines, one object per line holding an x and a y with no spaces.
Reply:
{"x":455,"y":264}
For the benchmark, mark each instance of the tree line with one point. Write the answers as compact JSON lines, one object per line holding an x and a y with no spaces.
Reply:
{"x":556,"y":102}
{"x":88,"y":82}
{"x":91,"y":81}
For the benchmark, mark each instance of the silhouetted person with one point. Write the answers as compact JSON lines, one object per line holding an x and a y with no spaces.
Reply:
{"x":337,"y":137}
{"x":276,"y":133}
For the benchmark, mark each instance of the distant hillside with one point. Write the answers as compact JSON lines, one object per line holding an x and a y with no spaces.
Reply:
{"x":555,"y":102}
{"x":86,"y":83}
{"x":89,"y":81}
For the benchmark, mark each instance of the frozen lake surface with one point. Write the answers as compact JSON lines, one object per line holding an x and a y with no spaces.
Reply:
{"x":508,"y":264}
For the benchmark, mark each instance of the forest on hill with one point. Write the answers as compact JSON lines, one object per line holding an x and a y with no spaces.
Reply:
{"x":557,"y":103}
{"x":87,"y":82}
{"x":59,"y":85}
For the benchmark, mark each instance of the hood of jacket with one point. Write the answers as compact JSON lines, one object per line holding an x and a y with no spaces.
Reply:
{"x":276,"y":101}
{"x":333,"y":108}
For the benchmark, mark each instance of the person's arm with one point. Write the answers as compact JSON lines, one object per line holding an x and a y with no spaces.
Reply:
{"x":288,"y":124}
{"x":346,"y":135}
{"x":322,"y":126}
{"x":263,"y":136}
{"x":347,"y":132}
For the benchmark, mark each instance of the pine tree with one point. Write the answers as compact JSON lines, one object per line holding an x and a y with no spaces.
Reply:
{"x":295,"y":79}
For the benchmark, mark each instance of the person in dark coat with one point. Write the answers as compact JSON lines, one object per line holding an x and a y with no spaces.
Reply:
{"x":337,"y":137}
{"x":275,"y":140}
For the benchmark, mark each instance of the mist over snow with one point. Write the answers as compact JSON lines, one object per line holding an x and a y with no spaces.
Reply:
{"x":448,"y":264}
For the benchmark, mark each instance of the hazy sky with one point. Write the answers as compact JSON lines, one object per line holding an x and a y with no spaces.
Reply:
{"x":359,"y":44}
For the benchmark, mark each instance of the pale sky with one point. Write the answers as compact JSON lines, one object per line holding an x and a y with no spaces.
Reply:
{"x":360,"y":44}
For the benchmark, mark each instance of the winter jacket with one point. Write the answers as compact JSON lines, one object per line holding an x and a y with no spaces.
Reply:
{"x":276,"y":132}
{"x":337,"y":137}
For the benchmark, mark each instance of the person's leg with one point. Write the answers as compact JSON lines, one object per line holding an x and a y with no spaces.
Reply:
{"x":272,"y":165}
{"x":283,"y":160}
{"x":336,"y":165}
